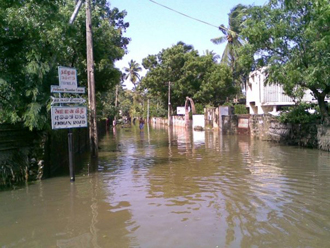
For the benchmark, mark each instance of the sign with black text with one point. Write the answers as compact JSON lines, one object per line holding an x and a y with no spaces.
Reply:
{"x":68,"y":117}
{"x":58,"y":89}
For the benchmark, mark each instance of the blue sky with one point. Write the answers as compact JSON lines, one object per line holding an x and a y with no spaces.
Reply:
{"x":153,"y":28}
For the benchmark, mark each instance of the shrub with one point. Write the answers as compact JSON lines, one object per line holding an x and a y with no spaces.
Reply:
{"x":240,"y":109}
{"x":299,"y":114}
{"x":199,"y":108}
{"x":229,"y":104}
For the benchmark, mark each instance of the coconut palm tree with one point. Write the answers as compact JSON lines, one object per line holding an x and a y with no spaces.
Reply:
{"x":132,"y":71}
{"x":234,"y":41}
{"x":231,"y":36}
{"x":211,"y":53}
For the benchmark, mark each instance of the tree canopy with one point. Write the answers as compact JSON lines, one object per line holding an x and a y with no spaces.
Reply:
{"x":36,"y":38}
{"x":198,"y":77}
{"x":292,"y":39}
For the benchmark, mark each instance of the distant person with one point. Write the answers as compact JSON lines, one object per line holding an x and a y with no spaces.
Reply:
{"x":141,"y":123}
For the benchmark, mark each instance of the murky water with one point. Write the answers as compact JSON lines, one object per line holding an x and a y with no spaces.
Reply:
{"x":178,"y":189}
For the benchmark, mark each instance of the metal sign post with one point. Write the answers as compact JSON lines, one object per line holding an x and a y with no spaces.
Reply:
{"x":71,"y":165}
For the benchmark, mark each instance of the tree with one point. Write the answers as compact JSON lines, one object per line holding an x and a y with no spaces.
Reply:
{"x":198,"y":77}
{"x":132,"y":71}
{"x":292,"y":39}
{"x":211,"y":53}
{"x":234,"y":41}
{"x":36,"y":38}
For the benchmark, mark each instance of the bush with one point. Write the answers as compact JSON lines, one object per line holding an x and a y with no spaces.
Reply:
{"x":299,"y":114}
{"x":199,"y":108}
{"x":240,"y":109}
{"x":229,"y":104}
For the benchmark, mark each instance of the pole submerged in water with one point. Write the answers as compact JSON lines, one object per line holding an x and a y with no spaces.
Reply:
{"x":71,"y":165}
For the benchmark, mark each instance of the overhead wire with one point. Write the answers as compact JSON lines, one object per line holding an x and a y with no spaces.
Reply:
{"x":184,"y":14}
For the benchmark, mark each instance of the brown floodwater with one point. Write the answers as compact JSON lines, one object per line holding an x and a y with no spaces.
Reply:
{"x":177,"y":188}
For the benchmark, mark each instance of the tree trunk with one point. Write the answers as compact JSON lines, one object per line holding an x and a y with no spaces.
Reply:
{"x":323,"y":109}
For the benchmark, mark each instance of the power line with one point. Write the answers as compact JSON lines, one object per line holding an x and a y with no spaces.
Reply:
{"x":184,"y":14}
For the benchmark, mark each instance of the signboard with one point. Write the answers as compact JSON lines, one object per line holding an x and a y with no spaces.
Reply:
{"x":181,"y":110}
{"x":67,"y":77}
{"x":243,"y":123}
{"x":58,"y":89}
{"x":68,"y":117}
{"x":68,"y":100}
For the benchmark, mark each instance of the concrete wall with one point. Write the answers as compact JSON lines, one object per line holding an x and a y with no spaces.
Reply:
{"x":198,"y":121}
{"x":267,"y":127}
{"x":159,"y":120}
{"x":229,"y":124}
{"x":179,"y":120}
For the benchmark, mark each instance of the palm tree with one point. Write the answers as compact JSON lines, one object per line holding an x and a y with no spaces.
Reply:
{"x":211,"y":53}
{"x":132,"y":71}
{"x":234,"y":41}
{"x":232,"y":37}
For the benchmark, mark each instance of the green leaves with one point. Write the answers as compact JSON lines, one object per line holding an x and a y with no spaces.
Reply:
{"x":198,"y":77}
{"x":292,"y":40}
{"x":36,"y":38}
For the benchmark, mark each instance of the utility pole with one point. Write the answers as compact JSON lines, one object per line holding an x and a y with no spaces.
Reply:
{"x":93,"y":137}
{"x":169,"y":105}
{"x":148,"y":112}
{"x":116,"y":101}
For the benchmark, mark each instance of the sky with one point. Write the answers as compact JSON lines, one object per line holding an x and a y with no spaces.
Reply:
{"x":153,"y":27}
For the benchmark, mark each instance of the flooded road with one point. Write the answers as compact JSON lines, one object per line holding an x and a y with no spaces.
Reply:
{"x":177,"y":188}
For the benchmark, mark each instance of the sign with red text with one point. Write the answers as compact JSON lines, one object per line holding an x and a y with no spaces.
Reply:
{"x":68,"y":117}
{"x":67,"y":77}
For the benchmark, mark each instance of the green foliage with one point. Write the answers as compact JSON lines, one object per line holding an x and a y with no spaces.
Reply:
{"x":36,"y":38}
{"x":240,"y":109}
{"x":233,"y":42}
{"x":126,"y":103}
{"x":229,"y":104}
{"x":13,"y":171}
{"x":198,"y":77}
{"x":292,"y":39}
{"x":132,"y":72}
{"x":19,"y":168}
{"x":299,"y":114}
{"x":199,"y":108}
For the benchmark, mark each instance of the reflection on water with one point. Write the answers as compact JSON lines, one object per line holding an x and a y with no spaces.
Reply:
{"x":164,"y":187}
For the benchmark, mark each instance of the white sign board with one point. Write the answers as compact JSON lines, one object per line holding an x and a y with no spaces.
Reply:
{"x":67,"y":77}
{"x":58,"y":89}
{"x":181,"y":110}
{"x":68,"y":100}
{"x":68,"y":117}
{"x":243,"y":123}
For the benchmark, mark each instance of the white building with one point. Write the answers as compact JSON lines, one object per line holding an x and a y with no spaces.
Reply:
{"x":262,"y":99}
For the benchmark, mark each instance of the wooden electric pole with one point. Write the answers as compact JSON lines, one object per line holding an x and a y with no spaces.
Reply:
{"x":93,"y":137}
{"x":169,"y":105}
